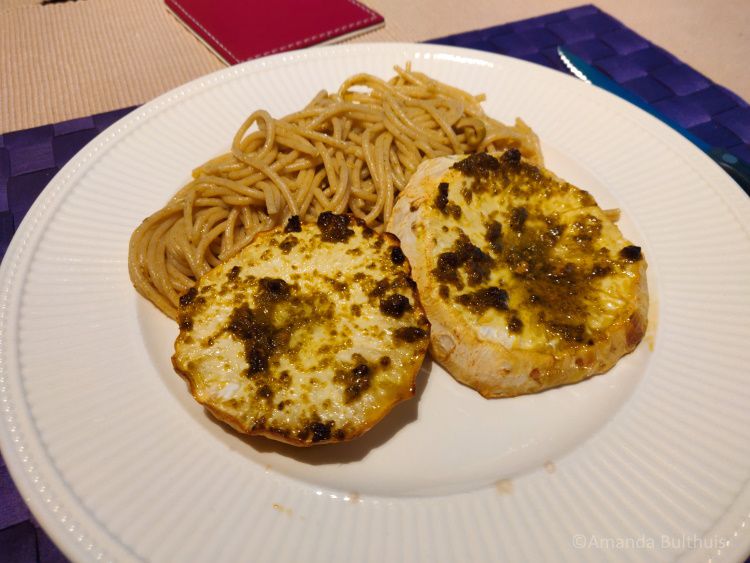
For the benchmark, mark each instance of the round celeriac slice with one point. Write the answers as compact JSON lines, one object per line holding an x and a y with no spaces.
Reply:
{"x":309,"y":335}
{"x":528,"y":284}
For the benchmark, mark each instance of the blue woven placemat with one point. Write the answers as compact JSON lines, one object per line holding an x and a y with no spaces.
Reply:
{"x":30,"y":158}
{"x":710,"y":111}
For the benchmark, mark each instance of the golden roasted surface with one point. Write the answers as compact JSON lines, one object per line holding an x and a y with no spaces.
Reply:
{"x":310,"y":335}
{"x":527,"y":282}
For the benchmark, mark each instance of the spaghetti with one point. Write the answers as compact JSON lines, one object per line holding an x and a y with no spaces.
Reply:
{"x":347,"y":152}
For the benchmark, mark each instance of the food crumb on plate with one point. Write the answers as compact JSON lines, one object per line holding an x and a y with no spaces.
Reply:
{"x":504,"y":486}
{"x":281,"y":508}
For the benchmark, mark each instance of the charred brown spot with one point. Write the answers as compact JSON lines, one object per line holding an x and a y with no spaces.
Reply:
{"x":511,"y":157}
{"x":631,"y":253}
{"x":448,"y":261}
{"x":586,"y":230}
{"x":483,"y":299}
{"x":518,"y":216}
{"x":274,"y":288}
{"x":410,"y":334}
{"x":380,"y":288}
{"x":463,"y":255}
{"x":186,"y":322}
{"x":316,"y":431}
{"x":444,"y":291}
{"x":397,"y":255}
{"x":357,"y":382}
{"x":494,"y":235}
{"x":515,"y":325}
{"x":384,"y":361}
{"x":478,"y":165}
{"x":265,"y":392}
{"x":257,"y":337}
{"x":293,"y":225}
{"x":260,"y":424}
{"x":339,"y":286}
{"x":553,"y":233}
{"x":454,"y":211}
{"x":257,"y":361}
{"x":447,"y":269}
{"x":476,"y":262}
{"x":568,"y":332}
{"x":395,"y":305}
{"x":188,"y":297}
{"x":441,"y":199}
{"x":233,"y":273}
{"x":334,"y":228}
{"x":567,"y":275}
{"x":288,"y":243}
{"x":445,"y":206}
{"x":600,"y":270}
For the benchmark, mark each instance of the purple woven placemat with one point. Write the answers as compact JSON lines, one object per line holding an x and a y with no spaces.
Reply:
{"x":30,"y":158}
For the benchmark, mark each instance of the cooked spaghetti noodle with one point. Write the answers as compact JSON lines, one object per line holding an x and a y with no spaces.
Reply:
{"x":351,"y":151}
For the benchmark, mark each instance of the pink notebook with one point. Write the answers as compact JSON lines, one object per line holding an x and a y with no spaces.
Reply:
{"x":239,"y":30}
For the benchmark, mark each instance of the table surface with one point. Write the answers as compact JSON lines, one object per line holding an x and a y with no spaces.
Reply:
{"x":64,"y":60}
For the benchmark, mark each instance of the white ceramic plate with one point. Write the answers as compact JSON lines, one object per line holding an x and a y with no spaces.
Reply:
{"x":118,"y":462}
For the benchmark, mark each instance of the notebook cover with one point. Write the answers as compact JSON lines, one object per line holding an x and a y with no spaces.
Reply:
{"x":238,"y":30}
